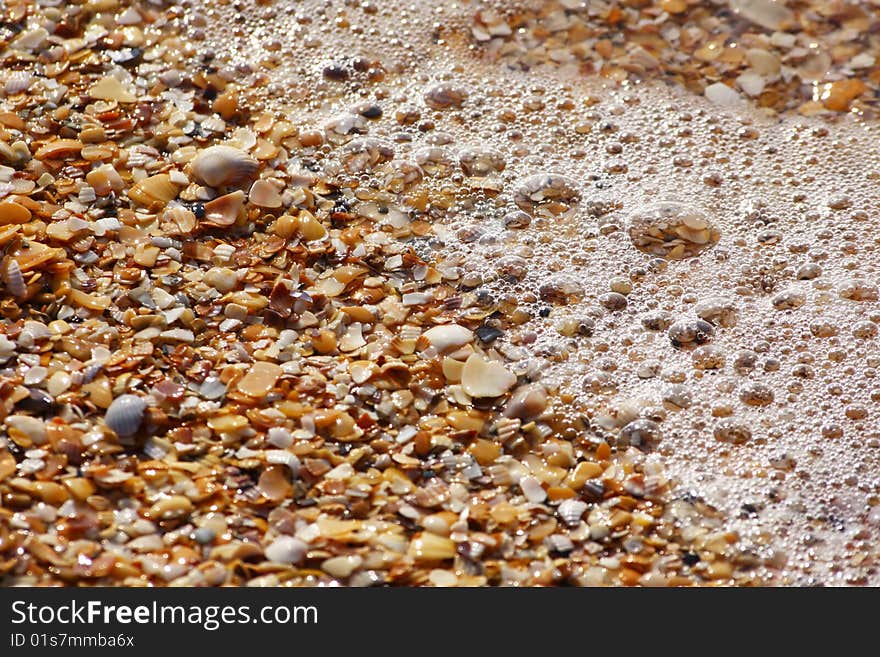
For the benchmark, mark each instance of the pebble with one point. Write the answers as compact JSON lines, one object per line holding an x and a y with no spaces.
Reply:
{"x":721,"y":94}
{"x":286,"y":549}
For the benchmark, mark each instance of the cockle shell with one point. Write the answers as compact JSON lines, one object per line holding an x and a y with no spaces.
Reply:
{"x":125,"y":414}
{"x":219,"y":166}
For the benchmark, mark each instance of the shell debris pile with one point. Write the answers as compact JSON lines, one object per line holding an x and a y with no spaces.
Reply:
{"x":269,"y":319}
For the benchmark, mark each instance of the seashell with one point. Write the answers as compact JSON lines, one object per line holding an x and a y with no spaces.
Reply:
{"x":481,"y":161}
{"x":445,"y":337}
{"x":17,"y":82}
{"x":13,"y":213}
{"x":35,"y":255}
{"x":260,"y":379}
{"x":718,"y":310}
{"x":426,"y":546}
{"x":224,"y":210}
{"x":13,"y":278}
{"x":154,"y":192}
{"x":30,"y":426}
{"x":769,"y":14}
{"x":110,"y":88}
{"x":265,"y":194}
{"x":365,"y":154}
{"x":527,"y":402}
{"x":485,"y":378}
{"x":571,"y":511}
{"x":219,"y":166}
{"x":59,"y":149}
{"x":125,"y":414}
{"x":546,"y":189}
{"x":532,"y":489}
{"x":435,"y":160}
{"x":445,"y":96}
{"x":690,"y":331}
{"x":398,"y":175}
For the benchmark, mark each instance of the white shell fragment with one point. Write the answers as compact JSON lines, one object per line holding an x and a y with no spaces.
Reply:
{"x":485,"y":378}
{"x":125,"y":414}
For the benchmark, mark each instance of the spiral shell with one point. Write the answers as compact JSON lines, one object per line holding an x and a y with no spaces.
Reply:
{"x":13,"y":278}
{"x":219,"y":166}
{"x":125,"y":414}
{"x":570,"y":511}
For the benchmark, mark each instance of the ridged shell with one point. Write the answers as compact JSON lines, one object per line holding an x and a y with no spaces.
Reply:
{"x":125,"y":414}
{"x":218,"y":166}
{"x":13,"y":278}
{"x":154,"y":192}
{"x":571,"y":511}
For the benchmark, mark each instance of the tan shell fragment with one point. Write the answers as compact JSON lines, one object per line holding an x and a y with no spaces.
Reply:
{"x":59,"y":149}
{"x":485,"y":378}
{"x":36,"y":254}
{"x":264,"y":194}
{"x":13,"y":213}
{"x":110,"y":88}
{"x":260,"y":379}
{"x":224,"y":210}
{"x":445,"y":337}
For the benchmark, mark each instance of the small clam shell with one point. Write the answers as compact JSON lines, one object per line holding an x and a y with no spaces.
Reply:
{"x":125,"y":414}
{"x":218,"y":166}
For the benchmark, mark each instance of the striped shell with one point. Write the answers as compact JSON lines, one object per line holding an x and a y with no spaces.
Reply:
{"x":571,"y":511}
{"x":224,"y":165}
{"x":13,"y":278}
{"x":125,"y":414}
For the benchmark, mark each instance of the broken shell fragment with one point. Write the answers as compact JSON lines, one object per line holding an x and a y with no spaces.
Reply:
{"x":260,"y":379}
{"x":13,"y":213}
{"x":485,"y":378}
{"x":219,"y":166}
{"x":224,"y":210}
{"x":59,"y":149}
{"x":527,"y":402}
{"x":110,"y":88}
{"x":445,"y":337}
